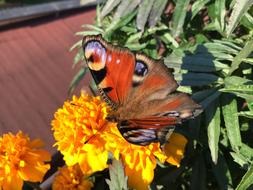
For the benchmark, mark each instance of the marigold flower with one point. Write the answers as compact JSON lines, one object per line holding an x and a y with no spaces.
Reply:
{"x":71,"y":178}
{"x":77,"y":130}
{"x":21,"y":160}
{"x":84,"y":136}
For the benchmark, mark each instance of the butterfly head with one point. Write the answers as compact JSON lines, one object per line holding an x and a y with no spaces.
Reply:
{"x":95,"y":54}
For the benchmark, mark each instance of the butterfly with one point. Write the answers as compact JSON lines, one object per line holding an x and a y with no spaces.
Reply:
{"x":141,"y":92}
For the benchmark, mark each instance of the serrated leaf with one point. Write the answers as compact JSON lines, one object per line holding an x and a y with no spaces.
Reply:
{"x":247,"y":180}
{"x":178,"y":18}
{"x":77,"y":78}
{"x":243,"y":54}
{"x":143,"y":13}
{"x":239,"y":9}
{"x":213,"y":129}
{"x":109,"y":6}
{"x":125,"y":7}
{"x":118,"y":180}
{"x":197,"y":6}
{"x":229,"y":110}
{"x":156,"y":12}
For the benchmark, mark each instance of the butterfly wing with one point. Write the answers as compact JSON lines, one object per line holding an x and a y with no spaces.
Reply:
{"x":137,"y":86}
{"x":146,"y":130}
{"x":112,"y":68}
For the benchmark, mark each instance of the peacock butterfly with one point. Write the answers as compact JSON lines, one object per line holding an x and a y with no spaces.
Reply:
{"x":141,"y":92}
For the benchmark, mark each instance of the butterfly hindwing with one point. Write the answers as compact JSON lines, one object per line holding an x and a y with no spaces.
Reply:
{"x":146,"y":130}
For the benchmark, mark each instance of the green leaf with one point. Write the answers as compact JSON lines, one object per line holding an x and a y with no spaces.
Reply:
{"x":196,"y":79}
{"x":93,"y":27}
{"x":229,"y":110}
{"x":244,"y":53}
{"x":76,"y":45}
{"x":136,"y":46}
{"x":199,"y":62}
{"x":235,"y":80}
{"x":143,"y":13}
{"x":78,"y":57}
{"x":118,"y":23}
{"x":125,"y":7}
{"x":213,"y":129}
{"x":248,"y":114}
{"x":178,"y":18}
{"x":239,"y":86}
{"x":247,"y":180}
{"x":247,"y":152}
{"x":87,"y":33}
{"x":156,"y":12}
{"x":239,"y":9}
{"x":239,"y":159}
{"x":77,"y":78}
{"x":109,"y":6}
{"x":118,"y":180}
{"x":197,"y":6}
{"x":220,"y":12}
{"x":218,"y":46}
{"x":247,"y":21}
{"x":167,"y":39}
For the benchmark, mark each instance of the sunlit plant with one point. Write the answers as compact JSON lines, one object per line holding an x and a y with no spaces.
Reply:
{"x":208,"y":44}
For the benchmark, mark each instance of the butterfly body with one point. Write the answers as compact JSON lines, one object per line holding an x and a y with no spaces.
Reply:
{"x":140,"y":91}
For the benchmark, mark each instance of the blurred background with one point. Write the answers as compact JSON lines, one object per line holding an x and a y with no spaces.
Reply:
{"x":35,"y":61}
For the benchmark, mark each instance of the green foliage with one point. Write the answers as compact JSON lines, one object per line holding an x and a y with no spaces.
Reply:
{"x":208,"y":44}
{"x":118,"y":180}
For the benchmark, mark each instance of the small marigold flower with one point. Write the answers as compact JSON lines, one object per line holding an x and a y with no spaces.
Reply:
{"x":84,"y":136}
{"x":21,"y":160}
{"x":71,"y":178}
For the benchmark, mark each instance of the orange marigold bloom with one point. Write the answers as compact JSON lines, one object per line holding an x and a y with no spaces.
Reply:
{"x":84,"y":136}
{"x":21,"y":160}
{"x":71,"y":178}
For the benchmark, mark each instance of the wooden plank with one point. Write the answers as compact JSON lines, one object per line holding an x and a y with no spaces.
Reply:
{"x":28,"y":12}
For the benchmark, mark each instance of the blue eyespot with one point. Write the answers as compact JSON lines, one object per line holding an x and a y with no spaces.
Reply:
{"x":141,"y":69}
{"x":95,"y":49}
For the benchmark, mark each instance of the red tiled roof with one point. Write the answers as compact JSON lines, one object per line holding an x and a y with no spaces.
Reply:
{"x":35,"y":72}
